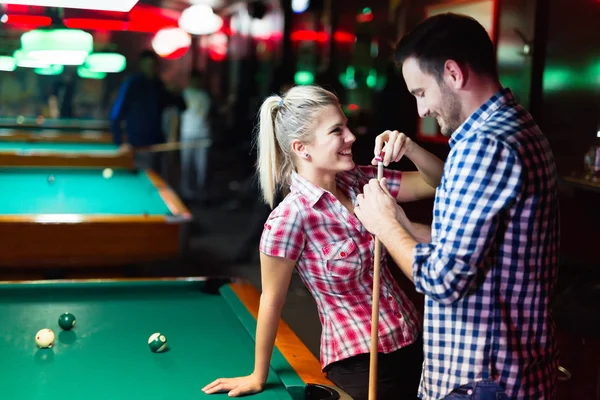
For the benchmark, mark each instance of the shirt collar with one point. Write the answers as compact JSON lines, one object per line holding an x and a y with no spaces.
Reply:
{"x":306,"y":188}
{"x":314,"y":193}
{"x":497,"y":101}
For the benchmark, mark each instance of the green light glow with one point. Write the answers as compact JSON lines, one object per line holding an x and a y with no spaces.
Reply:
{"x":51,"y":70}
{"x":304,"y":78}
{"x":58,"y":46}
{"x":105,"y":62}
{"x":7,"y":63}
{"x":85,"y":73}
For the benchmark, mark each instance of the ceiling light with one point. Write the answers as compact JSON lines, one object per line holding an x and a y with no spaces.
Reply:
{"x":24,"y":61}
{"x":7,"y":63}
{"x":105,"y":62}
{"x":171,"y":42}
{"x":200,"y":19}
{"x":103,"y":5}
{"x":58,"y":46}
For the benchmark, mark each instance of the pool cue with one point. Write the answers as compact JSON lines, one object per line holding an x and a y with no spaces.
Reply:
{"x":375,"y":308}
{"x":171,"y":146}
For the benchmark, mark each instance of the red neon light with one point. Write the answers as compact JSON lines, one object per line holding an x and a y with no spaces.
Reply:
{"x":23,"y":9}
{"x":364,"y":17}
{"x":95,"y":24}
{"x":142,"y":18}
{"x":150,"y":26}
{"x":27,"y":20}
{"x":312,"y":36}
{"x":344,"y":37}
{"x":353,"y":107}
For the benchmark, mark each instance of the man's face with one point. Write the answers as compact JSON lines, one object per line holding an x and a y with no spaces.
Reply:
{"x":434,"y":99}
{"x":148,"y":67}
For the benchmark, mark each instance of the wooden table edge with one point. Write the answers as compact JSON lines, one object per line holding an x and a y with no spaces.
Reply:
{"x":289,"y":344}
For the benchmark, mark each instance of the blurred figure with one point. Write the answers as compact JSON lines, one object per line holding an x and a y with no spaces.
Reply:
{"x":195,"y":126}
{"x":61,"y":97}
{"x":140,"y":104}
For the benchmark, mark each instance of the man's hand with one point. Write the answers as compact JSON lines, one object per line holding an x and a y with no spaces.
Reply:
{"x":125,"y":148}
{"x":376,"y":208}
{"x":397,"y":144}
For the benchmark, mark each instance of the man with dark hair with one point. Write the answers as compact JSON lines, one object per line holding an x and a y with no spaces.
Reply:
{"x":489,"y":266}
{"x":140,"y":103}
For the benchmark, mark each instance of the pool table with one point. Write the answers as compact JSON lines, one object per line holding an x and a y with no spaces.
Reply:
{"x":209,"y":325}
{"x":63,"y":154}
{"x":54,"y":135}
{"x":82,"y":217}
{"x":41,"y":122}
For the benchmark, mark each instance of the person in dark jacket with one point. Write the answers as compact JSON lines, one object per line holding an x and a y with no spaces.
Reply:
{"x":140,"y":104}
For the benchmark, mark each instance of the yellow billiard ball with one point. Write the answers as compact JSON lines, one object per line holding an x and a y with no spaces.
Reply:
{"x":107,"y":173}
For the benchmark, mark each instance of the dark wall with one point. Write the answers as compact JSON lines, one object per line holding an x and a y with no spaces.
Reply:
{"x":570,"y":108}
{"x":571,"y":91}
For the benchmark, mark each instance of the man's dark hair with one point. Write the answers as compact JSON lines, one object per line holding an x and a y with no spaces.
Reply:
{"x":148,"y":54}
{"x":448,"y":37}
{"x":196,"y":74}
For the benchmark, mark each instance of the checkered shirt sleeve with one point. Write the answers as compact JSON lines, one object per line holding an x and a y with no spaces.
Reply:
{"x":283,"y":234}
{"x":486,"y":180}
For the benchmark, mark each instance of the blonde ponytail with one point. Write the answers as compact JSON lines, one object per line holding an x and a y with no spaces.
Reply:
{"x":283,"y":120}
{"x":269,"y":153}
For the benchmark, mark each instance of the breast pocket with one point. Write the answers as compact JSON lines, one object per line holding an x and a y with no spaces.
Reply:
{"x":342,"y":258}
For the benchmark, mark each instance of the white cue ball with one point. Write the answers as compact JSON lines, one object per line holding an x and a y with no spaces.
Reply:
{"x":107,"y":173}
{"x":44,"y":338}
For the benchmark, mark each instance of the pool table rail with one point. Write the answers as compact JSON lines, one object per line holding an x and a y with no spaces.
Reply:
{"x":88,"y":240}
{"x":304,"y":363}
{"x":40,"y":158}
{"x":54,"y":136}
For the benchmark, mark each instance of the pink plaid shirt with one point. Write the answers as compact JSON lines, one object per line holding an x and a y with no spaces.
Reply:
{"x":334,"y":255}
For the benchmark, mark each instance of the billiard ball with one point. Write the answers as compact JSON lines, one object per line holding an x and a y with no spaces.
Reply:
{"x":44,"y":338}
{"x":66,"y":321}
{"x":51,"y":179}
{"x":157,"y":342}
{"x":107,"y":173}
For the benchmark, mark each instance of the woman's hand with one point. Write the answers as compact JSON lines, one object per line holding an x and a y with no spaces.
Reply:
{"x":235,"y":386}
{"x":397,"y":144}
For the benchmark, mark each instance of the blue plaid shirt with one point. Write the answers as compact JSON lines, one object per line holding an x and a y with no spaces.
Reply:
{"x":489,"y":273}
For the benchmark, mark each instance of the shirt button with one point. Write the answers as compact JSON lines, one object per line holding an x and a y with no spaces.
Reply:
{"x":370,"y":238}
{"x":342,"y":254}
{"x":390,"y":298}
{"x":399,"y":316}
{"x":268,"y":226}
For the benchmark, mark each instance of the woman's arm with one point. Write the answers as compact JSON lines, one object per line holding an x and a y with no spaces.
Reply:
{"x":276,"y":275}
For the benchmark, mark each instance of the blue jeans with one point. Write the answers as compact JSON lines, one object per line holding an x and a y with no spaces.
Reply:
{"x":481,"y":390}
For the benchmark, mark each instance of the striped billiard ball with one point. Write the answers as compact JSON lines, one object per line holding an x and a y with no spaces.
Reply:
{"x":157,"y":342}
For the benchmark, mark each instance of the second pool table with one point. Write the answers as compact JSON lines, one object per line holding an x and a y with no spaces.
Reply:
{"x":63,"y":154}
{"x":209,"y":325}
{"x":81,"y":217}
{"x":54,"y":135}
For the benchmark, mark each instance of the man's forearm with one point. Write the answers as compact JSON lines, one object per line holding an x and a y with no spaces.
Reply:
{"x":399,"y":244}
{"x":421,"y":232}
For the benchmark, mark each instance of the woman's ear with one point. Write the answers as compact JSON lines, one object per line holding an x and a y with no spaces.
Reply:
{"x":299,"y":148}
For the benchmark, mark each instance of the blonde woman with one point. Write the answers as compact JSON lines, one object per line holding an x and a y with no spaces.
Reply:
{"x":304,"y":143}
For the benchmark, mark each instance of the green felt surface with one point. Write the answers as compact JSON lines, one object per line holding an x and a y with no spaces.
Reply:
{"x":29,"y":192}
{"x":106,"y":355}
{"x":33,"y":147}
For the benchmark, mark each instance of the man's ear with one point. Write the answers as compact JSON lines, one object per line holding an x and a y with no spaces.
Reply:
{"x":455,"y":75}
